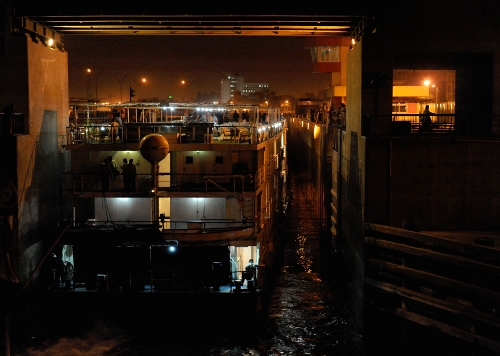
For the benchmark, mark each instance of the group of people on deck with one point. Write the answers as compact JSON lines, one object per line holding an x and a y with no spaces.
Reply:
{"x":109,"y":171}
{"x":203,"y":117}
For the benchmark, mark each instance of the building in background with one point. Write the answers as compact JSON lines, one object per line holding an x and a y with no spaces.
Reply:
{"x":235,"y":85}
{"x":230,"y":86}
{"x":253,"y":88}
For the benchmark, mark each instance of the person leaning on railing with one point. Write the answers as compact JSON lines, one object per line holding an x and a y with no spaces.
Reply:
{"x":249,"y":272}
{"x":425,"y":119}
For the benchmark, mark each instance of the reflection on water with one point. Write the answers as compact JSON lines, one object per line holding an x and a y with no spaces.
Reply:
{"x":304,"y":260}
{"x":304,"y":314}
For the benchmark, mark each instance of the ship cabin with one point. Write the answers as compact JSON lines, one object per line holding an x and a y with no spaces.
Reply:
{"x":189,"y":220}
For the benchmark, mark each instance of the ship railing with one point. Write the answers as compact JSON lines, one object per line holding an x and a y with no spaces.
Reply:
{"x":79,"y":183}
{"x":249,"y":275}
{"x":170,"y":280}
{"x":164,"y":224}
{"x":155,"y":281}
{"x":173,"y":281}
{"x":15,"y":125}
{"x":98,"y":132}
{"x":207,"y":182}
{"x":205,"y":224}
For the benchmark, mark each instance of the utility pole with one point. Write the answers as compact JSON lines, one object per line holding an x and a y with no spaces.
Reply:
{"x":121,"y":81}
{"x":131,"y":93}
{"x":96,"y":77}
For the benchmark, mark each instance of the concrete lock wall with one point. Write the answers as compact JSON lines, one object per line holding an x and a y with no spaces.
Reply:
{"x":438,"y":184}
{"x":35,"y":78}
{"x":459,"y":176}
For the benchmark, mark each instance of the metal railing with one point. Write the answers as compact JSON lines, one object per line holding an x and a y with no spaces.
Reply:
{"x":441,"y":125}
{"x":18,"y":125}
{"x":99,"y":133}
{"x":165,"y":281}
{"x":78,"y":183}
{"x":441,"y":283}
{"x":167,"y":224}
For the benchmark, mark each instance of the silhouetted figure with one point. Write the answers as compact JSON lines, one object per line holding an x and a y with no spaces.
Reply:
{"x":249,"y":272}
{"x":426,"y":121}
{"x":130,"y":171}
{"x":236,"y":116}
{"x":126,"y":177}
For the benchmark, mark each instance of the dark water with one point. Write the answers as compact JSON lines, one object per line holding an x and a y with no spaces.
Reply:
{"x":305,"y":313}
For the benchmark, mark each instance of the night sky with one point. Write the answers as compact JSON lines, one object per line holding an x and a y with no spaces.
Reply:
{"x":202,"y":61}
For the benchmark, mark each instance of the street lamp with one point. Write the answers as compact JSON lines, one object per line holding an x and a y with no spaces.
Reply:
{"x":184,"y":91}
{"x":436,"y":90}
{"x":89,"y":84}
{"x":96,"y":76}
{"x":143,"y":80}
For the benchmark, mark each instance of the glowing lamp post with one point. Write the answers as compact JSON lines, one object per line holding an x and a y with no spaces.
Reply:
{"x":142,"y":81}
{"x":436,"y":90}
{"x":96,"y":77}
{"x":154,"y":148}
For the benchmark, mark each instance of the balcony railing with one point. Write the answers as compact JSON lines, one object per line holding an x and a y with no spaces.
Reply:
{"x":441,"y":125}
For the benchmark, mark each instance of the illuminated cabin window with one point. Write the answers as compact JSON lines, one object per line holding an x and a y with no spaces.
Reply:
{"x":325,"y":54}
{"x":400,"y":108}
{"x":219,"y":160}
{"x":189,"y":160}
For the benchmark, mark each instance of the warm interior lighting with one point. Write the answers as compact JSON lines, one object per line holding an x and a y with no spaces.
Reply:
{"x":316,"y":131}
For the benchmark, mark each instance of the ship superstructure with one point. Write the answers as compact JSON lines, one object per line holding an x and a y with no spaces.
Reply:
{"x":190,"y":221}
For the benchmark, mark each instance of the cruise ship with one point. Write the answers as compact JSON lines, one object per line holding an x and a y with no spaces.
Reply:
{"x":207,"y":195}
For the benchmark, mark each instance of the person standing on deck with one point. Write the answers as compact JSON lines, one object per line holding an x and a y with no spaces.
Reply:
{"x":126,"y":176}
{"x":131,"y":170}
{"x":249,"y":272}
{"x":114,"y":130}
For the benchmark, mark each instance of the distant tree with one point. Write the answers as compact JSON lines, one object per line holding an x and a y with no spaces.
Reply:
{"x":238,"y":98}
{"x":309,"y":95}
{"x":255,"y":98}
